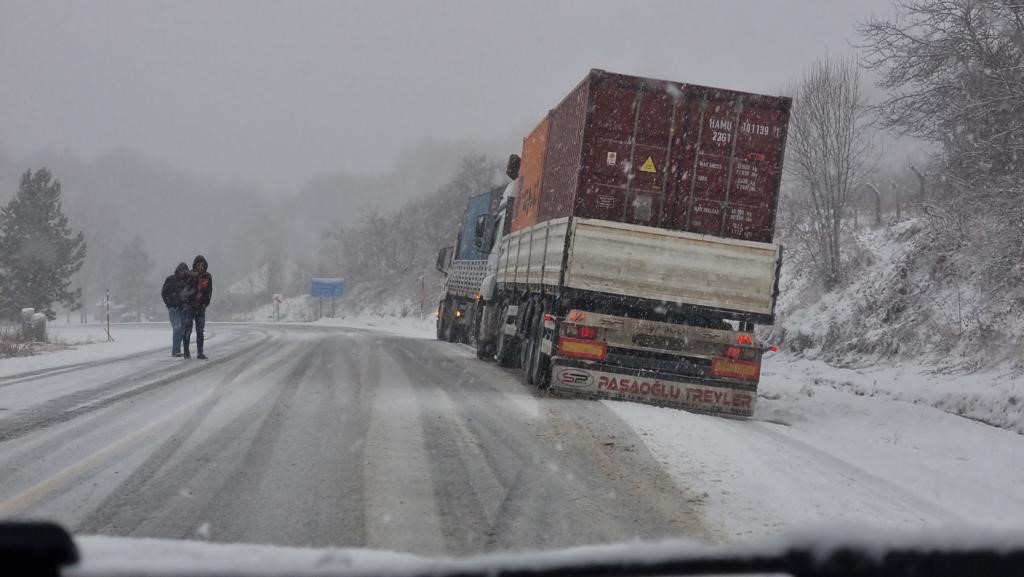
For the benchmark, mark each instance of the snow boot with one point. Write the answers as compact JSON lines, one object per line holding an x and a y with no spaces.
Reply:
{"x":201,"y":357}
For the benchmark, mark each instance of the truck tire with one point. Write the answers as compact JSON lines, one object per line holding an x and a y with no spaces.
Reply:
{"x":440,"y":320}
{"x":506,"y":347}
{"x":538,"y":370}
{"x":445,"y":327}
{"x":484,"y":345}
{"x":530,"y":349}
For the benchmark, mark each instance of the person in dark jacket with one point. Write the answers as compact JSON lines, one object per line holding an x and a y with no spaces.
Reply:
{"x":171,"y":293}
{"x":196,"y":297}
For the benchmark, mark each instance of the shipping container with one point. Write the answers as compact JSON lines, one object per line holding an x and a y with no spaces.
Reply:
{"x":531,"y":172}
{"x":657,"y":153}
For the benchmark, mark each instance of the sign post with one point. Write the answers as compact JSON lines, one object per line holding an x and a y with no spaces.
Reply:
{"x":278,"y":299}
{"x":327,"y":287}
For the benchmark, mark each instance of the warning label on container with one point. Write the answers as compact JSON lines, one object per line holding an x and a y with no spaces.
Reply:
{"x":648,"y":165}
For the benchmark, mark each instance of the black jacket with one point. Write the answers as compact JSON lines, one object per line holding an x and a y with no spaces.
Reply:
{"x":173,"y":286}
{"x":199,"y":290}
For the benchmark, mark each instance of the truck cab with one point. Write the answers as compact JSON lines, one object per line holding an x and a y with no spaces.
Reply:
{"x":470,"y":264}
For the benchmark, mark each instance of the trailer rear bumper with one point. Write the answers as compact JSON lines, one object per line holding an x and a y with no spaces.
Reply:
{"x":581,"y":378}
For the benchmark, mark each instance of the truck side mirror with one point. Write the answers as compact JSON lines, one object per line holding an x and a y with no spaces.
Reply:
{"x":512,"y":168}
{"x":444,"y":259}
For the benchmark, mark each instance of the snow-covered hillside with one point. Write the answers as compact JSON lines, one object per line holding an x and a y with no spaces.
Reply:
{"x":914,"y":293}
{"x":917,"y":321}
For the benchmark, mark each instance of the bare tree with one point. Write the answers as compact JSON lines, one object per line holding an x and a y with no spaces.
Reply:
{"x":878,"y":202}
{"x":954,"y":71}
{"x":828,"y":156}
{"x":955,"y":74}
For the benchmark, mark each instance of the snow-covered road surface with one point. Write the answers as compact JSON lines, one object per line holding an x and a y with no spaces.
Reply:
{"x":380,"y":437}
{"x":326,"y":436}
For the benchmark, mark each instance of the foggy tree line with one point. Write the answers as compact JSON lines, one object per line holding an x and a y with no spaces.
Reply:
{"x":397,"y":249}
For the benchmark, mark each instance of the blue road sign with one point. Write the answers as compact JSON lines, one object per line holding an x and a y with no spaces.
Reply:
{"x":327,"y":287}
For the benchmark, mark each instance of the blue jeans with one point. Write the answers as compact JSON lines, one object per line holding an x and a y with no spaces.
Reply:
{"x":199,"y":318}
{"x":176,"y":328}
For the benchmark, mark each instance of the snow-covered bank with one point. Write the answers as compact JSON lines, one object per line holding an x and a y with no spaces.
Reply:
{"x":87,"y":343}
{"x":912,"y":294}
{"x":820,"y":453}
{"x":994,"y":396}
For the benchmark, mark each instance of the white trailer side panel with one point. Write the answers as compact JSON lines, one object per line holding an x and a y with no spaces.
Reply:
{"x":665,"y":265}
{"x":534,"y":255}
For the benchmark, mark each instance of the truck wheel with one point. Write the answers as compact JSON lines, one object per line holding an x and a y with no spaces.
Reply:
{"x":538,"y":372}
{"x":484,"y":346}
{"x":525,"y":358}
{"x":440,"y":319}
{"x":506,"y":351}
{"x":530,"y":351}
{"x":449,"y":330}
{"x":446,"y":324}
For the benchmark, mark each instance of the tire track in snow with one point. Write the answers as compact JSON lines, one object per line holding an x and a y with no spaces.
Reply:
{"x":560,"y":481}
{"x":73,"y":405}
{"x":163,"y":476}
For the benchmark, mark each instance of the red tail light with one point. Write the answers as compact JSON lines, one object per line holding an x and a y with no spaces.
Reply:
{"x":586,"y":332}
{"x":733,"y":353}
{"x":745,"y":339}
{"x":549,"y":318}
{"x":773,"y":348}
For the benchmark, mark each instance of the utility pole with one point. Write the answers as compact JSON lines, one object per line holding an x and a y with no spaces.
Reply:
{"x":423,"y":296}
{"x":106,"y":302}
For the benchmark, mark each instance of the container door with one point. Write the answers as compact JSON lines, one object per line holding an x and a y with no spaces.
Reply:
{"x":628,"y":152}
{"x":708,"y":143}
{"x":731,"y":162}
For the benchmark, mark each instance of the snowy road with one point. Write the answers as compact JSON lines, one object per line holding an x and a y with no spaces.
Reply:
{"x":320,"y":436}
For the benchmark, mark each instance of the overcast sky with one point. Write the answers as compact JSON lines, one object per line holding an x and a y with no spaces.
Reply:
{"x":272,"y":92}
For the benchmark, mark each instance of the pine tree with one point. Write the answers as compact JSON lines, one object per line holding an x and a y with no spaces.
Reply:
{"x":38,"y":251}
{"x":133,"y":282}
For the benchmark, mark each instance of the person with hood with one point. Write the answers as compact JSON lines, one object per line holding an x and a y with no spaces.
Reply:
{"x":171,"y":293}
{"x":196,"y":296}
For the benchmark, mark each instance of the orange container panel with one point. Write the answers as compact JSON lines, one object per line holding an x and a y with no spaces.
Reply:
{"x":527,"y":205}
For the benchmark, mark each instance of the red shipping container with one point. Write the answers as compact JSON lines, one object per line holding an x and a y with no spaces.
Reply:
{"x":658,"y":153}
